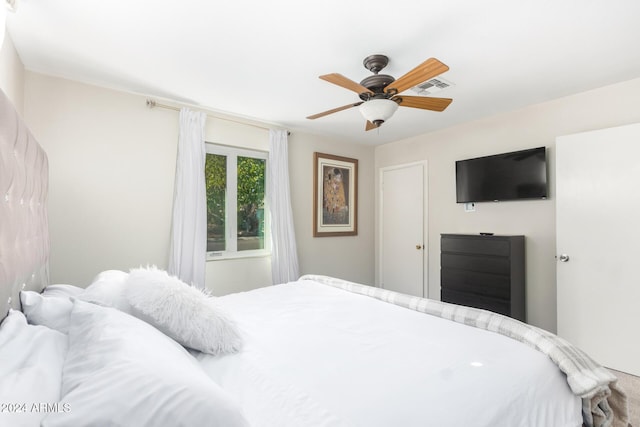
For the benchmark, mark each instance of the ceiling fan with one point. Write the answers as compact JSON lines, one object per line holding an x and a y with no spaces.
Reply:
{"x":381,"y":93}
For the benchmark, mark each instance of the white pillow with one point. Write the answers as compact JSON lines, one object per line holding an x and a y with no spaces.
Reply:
{"x":60,"y":290}
{"x":121,"y":371}
{"x":52,"y":312}
{"x":107,"y":289}
{"x":182,"y":312}
{"x":30,"y":371}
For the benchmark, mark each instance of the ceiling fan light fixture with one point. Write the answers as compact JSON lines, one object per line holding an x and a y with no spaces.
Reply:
{"x":378,"y":92}
{"x":378,"y":111}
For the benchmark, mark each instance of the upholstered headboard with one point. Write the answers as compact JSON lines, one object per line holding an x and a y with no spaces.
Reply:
{"x":24,"y":227}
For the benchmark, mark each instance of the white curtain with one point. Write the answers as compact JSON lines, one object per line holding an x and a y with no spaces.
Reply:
{"x":3,"y":17}
{"x":188,"y":248}
{"x":284,"y":257}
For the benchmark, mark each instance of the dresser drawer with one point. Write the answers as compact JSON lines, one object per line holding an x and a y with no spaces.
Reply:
{"x":481,"y":245}
{"x":491,"y":285}
{"x":481,"y":264}
{"x":485,"y":272}
{"x":471,"y":300}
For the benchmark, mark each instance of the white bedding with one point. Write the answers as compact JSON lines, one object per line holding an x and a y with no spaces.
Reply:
{"x":350,"y":360}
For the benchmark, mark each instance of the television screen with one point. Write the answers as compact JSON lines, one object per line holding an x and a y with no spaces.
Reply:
{"x":508,"y":176}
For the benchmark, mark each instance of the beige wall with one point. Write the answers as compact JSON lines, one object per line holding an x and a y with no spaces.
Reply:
{"x":349,"y":257}
{"x":534,"y":126}
{"x":12,"y":74}
{"x":112,"y":165}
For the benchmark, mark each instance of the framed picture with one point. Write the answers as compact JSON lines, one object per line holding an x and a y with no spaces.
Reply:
{"x":335,"y":196}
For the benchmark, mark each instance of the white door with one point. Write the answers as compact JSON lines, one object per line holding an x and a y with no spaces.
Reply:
{"x":598,"y":244}
{"x":402,"y":225}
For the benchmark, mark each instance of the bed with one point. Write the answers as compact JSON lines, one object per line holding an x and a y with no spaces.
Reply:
{"x":141,"y":348}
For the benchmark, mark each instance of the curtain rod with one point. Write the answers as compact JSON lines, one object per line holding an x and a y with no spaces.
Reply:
{"x":152,"y":104}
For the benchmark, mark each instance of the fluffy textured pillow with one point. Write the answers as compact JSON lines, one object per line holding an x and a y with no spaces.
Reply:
{"x":182,"y":312}
{"x":107,"y":289}
{"x":42,"y":309}
{"x":121,"y":371}
{"x":30,"y":370}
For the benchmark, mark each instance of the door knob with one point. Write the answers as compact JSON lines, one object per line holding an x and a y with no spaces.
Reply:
{"x":563,"y":258}
{"x":418,"y":247}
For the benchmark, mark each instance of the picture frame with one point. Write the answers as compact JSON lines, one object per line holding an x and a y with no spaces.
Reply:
{"x":335,"y":195}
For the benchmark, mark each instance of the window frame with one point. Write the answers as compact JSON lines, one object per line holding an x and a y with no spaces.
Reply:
{"x":231,"y":203}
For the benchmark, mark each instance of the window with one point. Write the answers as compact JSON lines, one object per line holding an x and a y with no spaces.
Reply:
{"x":236,"y":214}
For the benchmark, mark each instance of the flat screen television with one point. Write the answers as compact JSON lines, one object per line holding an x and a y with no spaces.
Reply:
{"x":509,"y":176}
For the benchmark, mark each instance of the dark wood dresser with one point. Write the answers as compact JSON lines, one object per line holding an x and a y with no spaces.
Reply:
{"x":484,"y":272}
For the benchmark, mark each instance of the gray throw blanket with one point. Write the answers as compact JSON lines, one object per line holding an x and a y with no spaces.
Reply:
{"x":604,"y":404}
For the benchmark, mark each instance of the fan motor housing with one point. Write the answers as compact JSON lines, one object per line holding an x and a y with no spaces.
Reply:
{"x":377,"y":82}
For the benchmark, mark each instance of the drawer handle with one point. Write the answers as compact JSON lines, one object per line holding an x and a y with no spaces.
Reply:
{"x":418,"y":247}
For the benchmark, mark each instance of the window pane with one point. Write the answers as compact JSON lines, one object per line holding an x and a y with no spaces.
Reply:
{"x":215,"y":171}
{"x":250,"y":203}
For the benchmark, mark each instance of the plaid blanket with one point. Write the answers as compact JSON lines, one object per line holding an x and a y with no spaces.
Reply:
{"x":604,"y":404}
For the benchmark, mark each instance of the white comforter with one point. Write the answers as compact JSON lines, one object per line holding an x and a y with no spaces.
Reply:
{"x":319,"y":356}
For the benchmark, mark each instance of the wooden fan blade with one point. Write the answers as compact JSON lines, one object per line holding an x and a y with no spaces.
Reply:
{"x":423,"y":72}
{"x":342,"y":81}
{"x":335,"y":110}
{"x":425,"y":103}
{"x":370,"y":126}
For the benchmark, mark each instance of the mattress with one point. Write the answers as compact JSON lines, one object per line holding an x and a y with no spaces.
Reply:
{"x":321,"y":356}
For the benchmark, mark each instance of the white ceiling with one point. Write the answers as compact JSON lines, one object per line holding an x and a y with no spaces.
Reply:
{"x":261,"y":59}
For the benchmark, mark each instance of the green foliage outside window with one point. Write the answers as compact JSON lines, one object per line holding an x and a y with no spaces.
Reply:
{"x":250,"y":202}
{"x":215,"y":171}
{"x":250,"y":196}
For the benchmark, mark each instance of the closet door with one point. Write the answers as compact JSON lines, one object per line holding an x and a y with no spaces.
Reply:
{"x":598,"y":244}
{"x":402,"y":229}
